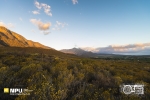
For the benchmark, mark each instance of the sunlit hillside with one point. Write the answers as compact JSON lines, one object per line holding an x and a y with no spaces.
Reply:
{"x":9,"y":38}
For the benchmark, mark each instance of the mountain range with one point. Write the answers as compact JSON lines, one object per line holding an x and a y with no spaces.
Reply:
{"x":84,"y":53}
{"x":79,"y":52}
{"x":9,"y":38}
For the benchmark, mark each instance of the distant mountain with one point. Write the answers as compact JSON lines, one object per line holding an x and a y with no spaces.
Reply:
{"x":11,"y":39}
{"x":79,"y":52}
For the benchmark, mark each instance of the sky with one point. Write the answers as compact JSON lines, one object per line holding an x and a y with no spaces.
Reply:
{"x":88,"y":24}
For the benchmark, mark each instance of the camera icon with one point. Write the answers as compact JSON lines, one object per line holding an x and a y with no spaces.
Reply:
{"x":133,"y":89}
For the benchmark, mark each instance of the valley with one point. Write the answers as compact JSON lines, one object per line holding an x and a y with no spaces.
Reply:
{"x":53,"y":75}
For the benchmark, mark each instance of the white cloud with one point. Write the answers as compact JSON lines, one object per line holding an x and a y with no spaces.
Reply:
{"x":46,"y":32}
{"x":9,"y":25}
{"x":40,"y":24}
{"x":59,"y":25}
{"x":38,"y":5}
{"x":74,"y":1}
{"x":35,"y":12}
{"x":46,"y":7}
{"x":92,"y":49}
{"x":2,"y":24}
{"x":56,"y":28}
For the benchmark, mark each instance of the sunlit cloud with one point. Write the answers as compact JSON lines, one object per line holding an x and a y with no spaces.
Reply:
{"x":89,"y":49}
{"x":41,"y":25}
{"x":46,"y":8}
{"x":8,"y":25}
{"x":2,"y":24}
{"x":129,"y":48}
{"x":137,"y":45}
{"x":74,"y":1}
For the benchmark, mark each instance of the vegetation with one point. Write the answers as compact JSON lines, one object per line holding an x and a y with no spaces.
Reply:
{"x":54,"y":75}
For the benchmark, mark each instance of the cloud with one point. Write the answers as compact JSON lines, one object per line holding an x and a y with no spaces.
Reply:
{"x":40,"y":24}
{"x":9,"y":25}
{"x":46,"y":32}
{"x":130,"y":47}
{"x":92,"y":49}
{"x":2,"y":24}
{"x":138,"y":48}
{"x":56,"y":28}
{"x":59,"y":25}
{"x":38,"y":5}
{"x":46,"y":7}
{"x":35,"y":12}
{"x":74,"y":1}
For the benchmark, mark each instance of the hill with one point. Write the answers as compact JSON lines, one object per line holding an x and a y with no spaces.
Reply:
{"x":9,"y":38}
{"x":79,"y":52}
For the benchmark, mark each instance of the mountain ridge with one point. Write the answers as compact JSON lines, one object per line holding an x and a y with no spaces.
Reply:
{"x":79,"y":52}
{"x":9,"y":38}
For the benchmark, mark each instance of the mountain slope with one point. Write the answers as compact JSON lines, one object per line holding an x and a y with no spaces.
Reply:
{"x":12,"y":39}
{"x":79,"y":52}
